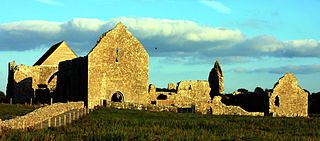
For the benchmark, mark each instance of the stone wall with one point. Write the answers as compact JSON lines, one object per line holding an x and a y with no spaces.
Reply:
{"x":172,"y":86}
{"x":192,"y":92}
{"x":189,"y":92}
{"x":25,"y":82}
{"x":152,"y":93}
{"x":251,"y":102}
{"x":37,"y":82}
{"x":73,"y":80}
{"x":218,"y":108}
{"x":39,"y":115}
{"x":288,"y":98}
{"x":118,"y":66}
{"x":146,"y":107}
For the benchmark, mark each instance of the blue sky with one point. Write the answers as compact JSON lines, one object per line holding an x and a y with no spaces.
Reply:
{"x":255,"y":41}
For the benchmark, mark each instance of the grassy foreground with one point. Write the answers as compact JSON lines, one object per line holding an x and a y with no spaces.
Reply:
{"x":110,"y":124}
{"x":8,"y":111}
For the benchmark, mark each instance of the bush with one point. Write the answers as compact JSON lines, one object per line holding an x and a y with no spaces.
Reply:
{"x":2,"y":96}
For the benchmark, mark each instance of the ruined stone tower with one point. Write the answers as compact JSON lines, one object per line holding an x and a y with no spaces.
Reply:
{"x":216,"y":80}
{"x":288,"y":98}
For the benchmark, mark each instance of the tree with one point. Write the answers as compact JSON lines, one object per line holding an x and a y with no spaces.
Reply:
{"x":258,"y":90}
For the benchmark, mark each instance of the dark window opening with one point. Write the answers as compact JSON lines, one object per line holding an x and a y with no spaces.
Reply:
{"x":277,"y":101}
{"x":190,"y":87}
{"x":117,"y":97}
{"x":154,"y":102}
{"x":104,"y":103}
{"x":162,"y":97}
{"x":117,"y":55}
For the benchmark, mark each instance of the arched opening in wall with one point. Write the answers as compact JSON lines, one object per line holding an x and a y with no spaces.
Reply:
{"x":277,"y":101}
{"x":117,"y":97}
{"x":162,"y":97}
{"x":42,"y":94}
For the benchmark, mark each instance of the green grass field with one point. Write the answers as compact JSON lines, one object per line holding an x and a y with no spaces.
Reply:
{"x":8,"y":111}
{"x":110,"y":124}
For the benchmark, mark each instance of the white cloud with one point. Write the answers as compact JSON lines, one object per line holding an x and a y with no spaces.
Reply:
{"x":182,"y":29}
{"x":172,"y":38}
{"x":50,"y":2}
{"x":300,"y":44}
{"x":46,"y":27}
{"x":302,"y":69}
{"x":218,"y":6}
{"x":84,"y":24}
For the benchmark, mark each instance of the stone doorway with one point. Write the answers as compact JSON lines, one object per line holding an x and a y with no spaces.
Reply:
{"x":117,"y":97}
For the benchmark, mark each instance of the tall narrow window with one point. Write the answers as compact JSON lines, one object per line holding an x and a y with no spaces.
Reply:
{"x":277,"y":101}
{"x":117,"y":55}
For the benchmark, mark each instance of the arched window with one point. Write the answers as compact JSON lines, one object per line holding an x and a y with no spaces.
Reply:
{"x":117,"y":97}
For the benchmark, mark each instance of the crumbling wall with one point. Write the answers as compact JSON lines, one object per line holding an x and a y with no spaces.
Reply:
{"x":118,"y":65}
{"x":24,"y":81}
{"x":152,"y":93}
{"x":192,"y":92}
{"x":38,"y":81}
{"x":251,"y":102}
{"x":218,"y":108}
{"x":288,"y":98}
{"x":172,"y":86}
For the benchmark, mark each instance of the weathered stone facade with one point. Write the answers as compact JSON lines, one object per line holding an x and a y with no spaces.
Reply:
{"x":116,"y":69}
{"x":118,"y":65}
{"x":288,"y":98}
{"x":38,"y":81}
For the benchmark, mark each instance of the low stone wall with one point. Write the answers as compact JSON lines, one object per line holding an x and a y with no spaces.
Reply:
{"x":39,"y":115}
{"x":199,"y":108}
{"x":218,"y":108}
{"x":146,"y":107}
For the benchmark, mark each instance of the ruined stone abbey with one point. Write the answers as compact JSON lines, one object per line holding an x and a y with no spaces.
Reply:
{"x":116,"y":70}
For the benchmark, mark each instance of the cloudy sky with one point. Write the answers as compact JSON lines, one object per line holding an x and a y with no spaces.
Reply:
{"x":256,"y":42}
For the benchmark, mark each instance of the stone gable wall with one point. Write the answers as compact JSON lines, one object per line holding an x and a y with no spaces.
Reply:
{"x":288,"y":99}
{"x":62,"y":53}
{"x":118,"y":63}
